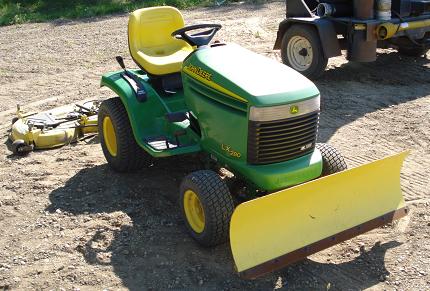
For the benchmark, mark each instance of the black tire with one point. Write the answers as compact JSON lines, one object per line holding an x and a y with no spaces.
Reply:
{"x":217,"y":204}
{"x":412,"y":51}
{"x":319,"y":61}
{"x":333,"y":161}
{"x":20,"y":148}
{"x":130,"y":156}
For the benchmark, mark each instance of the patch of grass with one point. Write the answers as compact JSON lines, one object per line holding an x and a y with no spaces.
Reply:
{"x":22,"y":11}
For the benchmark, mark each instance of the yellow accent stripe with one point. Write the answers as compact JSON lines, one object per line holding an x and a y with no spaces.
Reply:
{"x":214,"y":85}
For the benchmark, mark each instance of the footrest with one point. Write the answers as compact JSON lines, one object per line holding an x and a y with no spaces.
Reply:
{"x":161,"y":143}
{"x":166,"y":146}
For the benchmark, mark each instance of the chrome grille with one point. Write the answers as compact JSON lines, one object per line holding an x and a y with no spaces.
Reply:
{"x":282,"y":140}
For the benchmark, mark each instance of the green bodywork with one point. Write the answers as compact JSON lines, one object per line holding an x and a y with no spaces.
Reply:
{"x":147,"y":118}
{"x":220,"y":85}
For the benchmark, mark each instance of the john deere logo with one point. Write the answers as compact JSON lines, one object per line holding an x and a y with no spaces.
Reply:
{"x":199,"y":72}
{"x":294,"y":109}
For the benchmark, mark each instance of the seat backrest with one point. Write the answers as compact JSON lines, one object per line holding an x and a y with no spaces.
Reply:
{"x":149,"y":30}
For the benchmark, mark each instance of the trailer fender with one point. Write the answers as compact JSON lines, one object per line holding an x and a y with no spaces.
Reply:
{"x":326,"y":32}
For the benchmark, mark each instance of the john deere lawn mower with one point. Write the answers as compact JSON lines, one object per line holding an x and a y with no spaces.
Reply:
{"x":288,"y":196}
{"x":316,"y":30}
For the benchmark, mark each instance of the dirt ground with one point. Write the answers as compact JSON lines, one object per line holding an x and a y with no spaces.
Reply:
{"x":69,"y":223}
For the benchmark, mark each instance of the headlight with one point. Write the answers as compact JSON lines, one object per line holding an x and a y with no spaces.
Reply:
{"x":284,"y":111}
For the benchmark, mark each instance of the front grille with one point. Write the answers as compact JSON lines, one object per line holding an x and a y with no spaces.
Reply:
{"x":282,"y":140}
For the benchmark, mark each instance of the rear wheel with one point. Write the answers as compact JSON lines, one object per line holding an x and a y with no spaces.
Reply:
{"x":117,"y":140}
{"x":333,"y":161}
{"x":301,"y":50}
{"x":206,"y":207}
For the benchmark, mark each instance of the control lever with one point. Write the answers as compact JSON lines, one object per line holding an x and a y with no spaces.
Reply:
{"x":133,"y":81}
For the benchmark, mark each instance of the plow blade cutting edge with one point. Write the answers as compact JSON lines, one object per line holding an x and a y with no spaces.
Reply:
{"x":276,"y":230}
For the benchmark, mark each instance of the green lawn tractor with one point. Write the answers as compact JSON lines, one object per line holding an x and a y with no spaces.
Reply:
{"x":287,"y":196}
{"x":316,"y":30}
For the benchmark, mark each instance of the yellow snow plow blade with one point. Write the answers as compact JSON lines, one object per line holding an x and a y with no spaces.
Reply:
{"x":276,"y":230}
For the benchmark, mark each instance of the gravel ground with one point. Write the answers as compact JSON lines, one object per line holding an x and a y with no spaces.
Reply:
{"x":69,"y":223}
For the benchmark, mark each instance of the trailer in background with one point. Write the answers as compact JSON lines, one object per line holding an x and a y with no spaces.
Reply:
{"x":315,"y":31}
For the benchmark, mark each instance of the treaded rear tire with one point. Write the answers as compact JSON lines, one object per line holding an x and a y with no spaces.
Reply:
{"x":319,"y":61}
{"x":217,"y":204}
{"x":130,"y":156}
{"x":333,"y":161}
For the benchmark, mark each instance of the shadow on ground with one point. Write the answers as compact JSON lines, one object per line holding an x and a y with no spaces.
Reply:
{"x":149,"y":248}
{"x":353,"y":90}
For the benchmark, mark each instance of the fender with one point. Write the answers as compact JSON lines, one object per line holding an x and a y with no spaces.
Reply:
{"x":325,"y":28}
{"x":141,"y":115}
{"x":147,"y":116}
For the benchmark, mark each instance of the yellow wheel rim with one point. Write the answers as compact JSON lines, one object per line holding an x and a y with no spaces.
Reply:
{"x":109,"y":136}
{"x":194,"y":211}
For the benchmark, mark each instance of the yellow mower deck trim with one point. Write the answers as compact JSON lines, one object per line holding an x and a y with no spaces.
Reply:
{"x":65,"y":133}
{"x":266,"y":229}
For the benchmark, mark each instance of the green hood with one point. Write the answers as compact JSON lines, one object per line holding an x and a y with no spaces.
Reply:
{"x":247,"y":76}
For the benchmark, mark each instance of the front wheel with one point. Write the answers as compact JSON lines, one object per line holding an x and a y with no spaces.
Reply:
{"x":333,"y":161}
{"x":117,"y":140}
{"x":206,"y":206}
{"x":301,"y":50}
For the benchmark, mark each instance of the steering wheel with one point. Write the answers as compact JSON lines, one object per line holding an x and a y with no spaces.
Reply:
{"x":200,"y":38}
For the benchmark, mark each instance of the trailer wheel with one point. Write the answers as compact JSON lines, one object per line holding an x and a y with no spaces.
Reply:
{"x":333,"y":161}
{"x":206,"y":207}
{"x":117,"y":140}
{"x":301,"y":50}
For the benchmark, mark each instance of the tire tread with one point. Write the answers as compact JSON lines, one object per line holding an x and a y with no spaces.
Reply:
{"x":130,"y":156}
{"x":333,"y":161}
{"x":217,"y":204}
